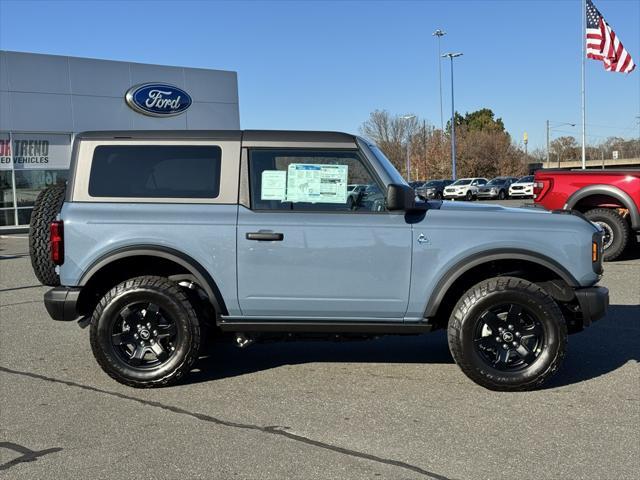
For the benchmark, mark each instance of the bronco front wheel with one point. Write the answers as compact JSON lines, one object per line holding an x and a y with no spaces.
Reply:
{"x":507,"y":334}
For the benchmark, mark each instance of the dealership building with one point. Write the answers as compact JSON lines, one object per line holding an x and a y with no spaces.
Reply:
{"x":45,"y":100}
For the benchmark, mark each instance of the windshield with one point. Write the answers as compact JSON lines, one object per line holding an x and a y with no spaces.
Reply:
{"x":387,"y":165}
{"x":432,"y":183}
{"x":528,"y":179}
{"x":497,"y":181}
{"x":463,"y":181}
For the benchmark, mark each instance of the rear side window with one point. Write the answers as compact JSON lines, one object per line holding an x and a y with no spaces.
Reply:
{"x":155,"y":171}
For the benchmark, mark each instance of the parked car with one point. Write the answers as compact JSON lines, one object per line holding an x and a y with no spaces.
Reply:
{"x":373,"y":198}
{"x":496,"y":188}
{"x":433,"y":189}
{"x":523,"y":188}
{"x":164,"y":238}
{"x":610,"y":198}
{"x":355,"y":193}
{"x":465,"y":188}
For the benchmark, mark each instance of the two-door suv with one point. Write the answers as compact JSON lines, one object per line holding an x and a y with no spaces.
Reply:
{"x":161,"y":240}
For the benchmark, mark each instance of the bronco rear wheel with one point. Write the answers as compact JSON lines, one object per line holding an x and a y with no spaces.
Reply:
{"x":507,"y":334}
{"x":145,"y":332}
{"x":45,"y":210}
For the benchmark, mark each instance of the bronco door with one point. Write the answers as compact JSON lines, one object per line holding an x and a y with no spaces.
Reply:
{"x":311,"y":245}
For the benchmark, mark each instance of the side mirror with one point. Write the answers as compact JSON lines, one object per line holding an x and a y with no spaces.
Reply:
{"x":400,"y":197}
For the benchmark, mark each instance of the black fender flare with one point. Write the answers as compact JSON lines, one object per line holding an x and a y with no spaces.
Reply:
{"x":476,"y":259}
{"x":201,"y":275}
{"x":610,"y":190}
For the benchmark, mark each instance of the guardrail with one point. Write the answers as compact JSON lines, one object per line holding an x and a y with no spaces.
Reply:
{"x":600,"y":163}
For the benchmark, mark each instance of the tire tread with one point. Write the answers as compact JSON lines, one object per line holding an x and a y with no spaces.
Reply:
{"x":166,"y":287}
{"x":481,"y":290}
{"x":45,"y":209}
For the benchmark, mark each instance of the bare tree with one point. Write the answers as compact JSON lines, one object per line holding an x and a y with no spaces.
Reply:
{"x":391,"y":133}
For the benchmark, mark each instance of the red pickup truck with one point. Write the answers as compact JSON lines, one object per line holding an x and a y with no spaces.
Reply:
{"x":610,"y":198}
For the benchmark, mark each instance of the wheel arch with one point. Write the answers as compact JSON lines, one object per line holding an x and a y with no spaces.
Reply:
{"x":167,"y":260}
{"x":610,"y":191}
{"x":482,"y":265}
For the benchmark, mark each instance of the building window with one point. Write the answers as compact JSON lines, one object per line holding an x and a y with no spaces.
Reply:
{"x":31,"y":162}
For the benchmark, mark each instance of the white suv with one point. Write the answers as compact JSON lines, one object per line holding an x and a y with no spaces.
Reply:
{"x":465,"y":188}
{"x":522,"y":188}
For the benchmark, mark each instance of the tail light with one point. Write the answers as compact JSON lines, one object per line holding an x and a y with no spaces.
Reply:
{"x":541,"y":187}
{"x":56,"y":230}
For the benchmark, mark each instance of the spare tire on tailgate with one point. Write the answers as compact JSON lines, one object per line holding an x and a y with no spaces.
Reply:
{"x":46,"y":208}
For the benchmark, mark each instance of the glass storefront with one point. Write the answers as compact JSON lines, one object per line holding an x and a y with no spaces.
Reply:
{"x":29,"y":162}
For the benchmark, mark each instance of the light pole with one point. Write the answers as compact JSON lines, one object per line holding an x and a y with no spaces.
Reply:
{"x":549,"y":128}
{"x":453,"y":117}
{"x":408,"y":159}
{"x":440,"y":33}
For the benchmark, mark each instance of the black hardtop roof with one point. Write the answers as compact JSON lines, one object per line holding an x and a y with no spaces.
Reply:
{"x":244,"y":135}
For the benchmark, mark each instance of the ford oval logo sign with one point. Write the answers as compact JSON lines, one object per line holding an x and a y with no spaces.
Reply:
{"x":158,"y":99}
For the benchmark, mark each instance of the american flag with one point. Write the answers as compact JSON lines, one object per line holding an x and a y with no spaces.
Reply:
{"x":604,"y":45}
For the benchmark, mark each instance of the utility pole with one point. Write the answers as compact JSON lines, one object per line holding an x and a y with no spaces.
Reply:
{"x":548,"y":159}
{"x":584,"y":109}
{"x":451,"y":56}
{"x":549,"y":127}
{"x":424,"y":147}
{"x":440,"y":33}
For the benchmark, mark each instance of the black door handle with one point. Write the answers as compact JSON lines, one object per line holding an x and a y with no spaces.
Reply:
{"x":265,"y":236}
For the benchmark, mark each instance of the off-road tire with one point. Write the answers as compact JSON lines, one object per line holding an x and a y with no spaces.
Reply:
{"x":45,"y":209}
{"x":619,"y":229}
{"x":170,"y":297}
{"x":494,"y":291}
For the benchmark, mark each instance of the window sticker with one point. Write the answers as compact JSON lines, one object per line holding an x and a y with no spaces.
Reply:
{"x":274,"y":184}
{"x":317,"y":183}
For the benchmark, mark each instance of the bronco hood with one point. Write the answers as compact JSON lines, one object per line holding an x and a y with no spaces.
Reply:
{"x":484,"y":207}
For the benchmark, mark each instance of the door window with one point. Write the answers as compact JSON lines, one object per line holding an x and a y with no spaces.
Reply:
{"x":313,"y":180}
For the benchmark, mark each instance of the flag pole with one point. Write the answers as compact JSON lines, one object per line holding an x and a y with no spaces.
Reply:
{"x":584,"y":54}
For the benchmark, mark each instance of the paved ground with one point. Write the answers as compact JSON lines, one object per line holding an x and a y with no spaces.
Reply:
{"x":394,"y":408}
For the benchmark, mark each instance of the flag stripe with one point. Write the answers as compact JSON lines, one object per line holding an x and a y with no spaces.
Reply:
{"x":603,"y":44}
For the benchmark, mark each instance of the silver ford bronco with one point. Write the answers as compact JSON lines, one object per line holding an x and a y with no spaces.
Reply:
{"x":162,"y":240}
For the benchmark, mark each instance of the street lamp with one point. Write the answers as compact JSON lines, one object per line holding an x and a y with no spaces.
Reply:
{"x":549,"y":127}
{"x":408,"y":159}
{"x":440,"y":33}
{"x":451,"y":56}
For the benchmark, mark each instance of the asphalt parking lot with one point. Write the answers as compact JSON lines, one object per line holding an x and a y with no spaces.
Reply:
{"x":396,"y":407}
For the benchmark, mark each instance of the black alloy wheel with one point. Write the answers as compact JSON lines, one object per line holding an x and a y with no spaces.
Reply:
{"x":146,"y":332}
{"x":502,"y":195}
{"x":509,"y":337}
{"x":143,"y":335}
{"x":507,"y":334}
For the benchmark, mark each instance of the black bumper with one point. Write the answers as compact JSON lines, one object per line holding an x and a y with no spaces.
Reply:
{"x":61,"y":303}
{"x":593,"y":303}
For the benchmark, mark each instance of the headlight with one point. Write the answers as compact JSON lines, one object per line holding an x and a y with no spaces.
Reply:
{"x":493,"y":190}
